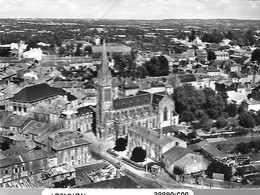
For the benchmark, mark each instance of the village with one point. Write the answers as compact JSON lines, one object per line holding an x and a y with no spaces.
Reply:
{"x":100,"y":110}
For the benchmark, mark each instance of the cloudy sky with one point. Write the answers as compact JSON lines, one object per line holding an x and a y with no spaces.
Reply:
{"x":131,"y":9}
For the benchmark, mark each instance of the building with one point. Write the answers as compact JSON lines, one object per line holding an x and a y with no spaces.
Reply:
{"x":154,"y":142}
{"x":80,"y":119}
{"x":220,"y":55}
{"x":185,"y":159}
{"x":25,"y":100}
{"x":74,"y":152}
{"x":35,"y":53}
{"x":23,"y":165}
{"x":115,"y":116}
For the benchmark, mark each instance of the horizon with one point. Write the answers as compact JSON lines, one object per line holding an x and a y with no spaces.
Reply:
{"x":136,"y":19}
{"x":131,"y":10}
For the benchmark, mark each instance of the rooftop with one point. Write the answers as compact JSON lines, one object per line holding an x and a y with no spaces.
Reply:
{"x":36,"y":93}
{"x":70,"y":144}
{"x":176,"y":153}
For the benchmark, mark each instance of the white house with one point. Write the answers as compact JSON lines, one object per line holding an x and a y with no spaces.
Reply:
{"x":35,"y":53}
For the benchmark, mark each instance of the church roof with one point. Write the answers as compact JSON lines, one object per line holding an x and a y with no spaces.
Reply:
{"x":132,"y":101}
{"x":156,"y":99}
{"x":37,"y":92}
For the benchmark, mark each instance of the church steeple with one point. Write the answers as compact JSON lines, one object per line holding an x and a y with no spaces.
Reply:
{"x":104,"y":96}
{"x":104,"y":69}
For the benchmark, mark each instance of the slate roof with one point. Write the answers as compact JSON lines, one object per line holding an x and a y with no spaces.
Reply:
{"x":71,"y":97}
{"x":69,"y":84}
{"x":70,"y":144}
{"x":26,"y":157}
{"x":15,"y":151}
{"x":210,"y":149}
{"x":36,"y":93}
{"x":234,"y":75}
{"x":36,"y":128}
{"x":156,"y":98}
{"x":176,"y":153}
{"x":15,"y":120}
{"x":85,"y":109}
{"x":132,"y":101}
{"x":170,"y":129}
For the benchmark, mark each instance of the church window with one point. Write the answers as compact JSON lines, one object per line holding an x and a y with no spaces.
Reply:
{"x":19,"y":108}
{"x":165,"y":113}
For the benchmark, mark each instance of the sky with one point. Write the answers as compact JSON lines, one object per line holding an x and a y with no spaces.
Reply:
{"x":131,"y":9}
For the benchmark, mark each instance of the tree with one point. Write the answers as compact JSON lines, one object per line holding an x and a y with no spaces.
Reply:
{"x":178,"y":171}
{"x":221,"y":122}
{"x":246,"y":120}
{"x":242,"y":107}
{"x":121,"y":144}
{"x":78,"y":51}
{"x":211,"y":55}
{"x":192,"y":36}
{"x":187,"y":116}
{"x":241,"y":130}
{"x":5,"y":145}
{"x":256,"y":55}
{"x":242,"y":148}
{"x":61,"y":51}
{"x":218,"y":167}
{"x":138,"y":154}
{"x":231,"y":109}
{"x":188,"y":98}
{"x":88,"y":49}
{"x":212,"y":113}
{"x":205,"y":122}
{"x":174,"y":81}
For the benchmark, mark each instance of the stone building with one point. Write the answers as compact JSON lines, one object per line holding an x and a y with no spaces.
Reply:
{"x":115,"y":116}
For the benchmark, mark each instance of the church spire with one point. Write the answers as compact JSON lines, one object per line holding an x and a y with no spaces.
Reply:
{"x":104,"y":69}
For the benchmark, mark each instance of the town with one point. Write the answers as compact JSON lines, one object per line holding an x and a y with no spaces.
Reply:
{"x":129,"y":103}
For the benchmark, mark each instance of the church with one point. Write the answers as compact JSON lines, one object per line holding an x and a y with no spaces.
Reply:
{"x":115,"y":116}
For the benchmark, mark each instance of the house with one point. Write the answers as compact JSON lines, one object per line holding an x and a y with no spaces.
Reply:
{"x":35,"y":53}
{"x":220,"y":55}
{"x":213,"y":71}
{"x":234,"y":77}
{"x":184,"y":158}
{"x":152,"y":141}
{"x":74,"y":152}
{"x":256,"y":93}
{"x":26,"y":99}
{"x":207,"y":149}
{"x":80,"y":119}
{"x":16,"y":167}
{"x":36,"y":129}
{"x":253,"y":104}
